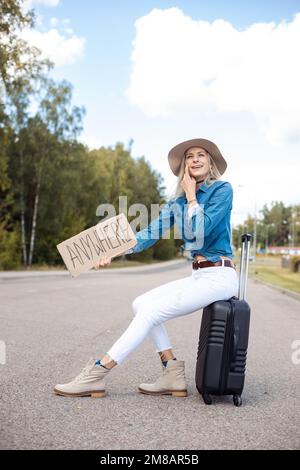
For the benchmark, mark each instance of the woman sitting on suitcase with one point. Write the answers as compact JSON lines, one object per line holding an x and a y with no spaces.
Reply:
{"x":201,"y":208}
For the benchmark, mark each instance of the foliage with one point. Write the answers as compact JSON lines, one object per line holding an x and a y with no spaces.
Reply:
{"x":277,"y":225}
{"x":51,"y":184}
{"x":295,"y":264}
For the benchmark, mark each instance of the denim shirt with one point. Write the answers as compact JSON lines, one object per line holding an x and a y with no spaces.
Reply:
{"x":204,"y":227}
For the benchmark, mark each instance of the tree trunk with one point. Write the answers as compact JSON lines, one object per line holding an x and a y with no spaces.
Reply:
{"x":23,"y":227}
{"x":34,"y":216}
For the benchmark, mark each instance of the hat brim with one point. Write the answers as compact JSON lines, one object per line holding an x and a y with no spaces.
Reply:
{"x":176,"y":154}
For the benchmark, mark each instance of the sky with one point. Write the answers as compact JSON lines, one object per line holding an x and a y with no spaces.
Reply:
{"x":160,"y":72}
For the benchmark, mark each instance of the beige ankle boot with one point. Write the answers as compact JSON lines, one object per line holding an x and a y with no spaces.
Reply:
{"x":90,"y":382}
{"x":172,"y":382}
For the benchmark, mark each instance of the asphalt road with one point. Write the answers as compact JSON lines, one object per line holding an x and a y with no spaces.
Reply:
{"x":52,"y":324}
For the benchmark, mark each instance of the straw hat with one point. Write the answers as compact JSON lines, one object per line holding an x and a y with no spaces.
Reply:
{"x":176,"y":154}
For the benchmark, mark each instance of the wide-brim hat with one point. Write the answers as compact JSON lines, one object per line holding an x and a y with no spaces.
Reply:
{"x":176,"y":154}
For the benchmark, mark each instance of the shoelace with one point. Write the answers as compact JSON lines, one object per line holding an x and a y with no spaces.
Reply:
{"x":84,"y":372}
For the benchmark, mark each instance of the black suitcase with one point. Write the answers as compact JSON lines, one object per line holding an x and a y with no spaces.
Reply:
{"x":223,"y":341}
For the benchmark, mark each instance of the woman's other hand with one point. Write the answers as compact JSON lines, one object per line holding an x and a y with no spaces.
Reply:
{"x":103,"y":262}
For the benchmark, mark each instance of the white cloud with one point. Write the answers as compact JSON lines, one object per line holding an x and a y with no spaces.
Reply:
{"x":181,"y":65}
{"x":68,"y":30}
{"x":53,"y":21}
{"x":39,"y":19}
{"x":48,"y":3}
{"x":65,"y":24}
{"x":55,"y":46}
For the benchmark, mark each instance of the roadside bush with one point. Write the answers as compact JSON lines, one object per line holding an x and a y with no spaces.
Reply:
{"x":295,"y":264}
{"x":10,"y":248}
{"x":143,"y":256}
{"x":165,"y":249}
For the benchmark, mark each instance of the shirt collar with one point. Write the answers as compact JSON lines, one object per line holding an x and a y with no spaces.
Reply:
{"x":203,"y":187}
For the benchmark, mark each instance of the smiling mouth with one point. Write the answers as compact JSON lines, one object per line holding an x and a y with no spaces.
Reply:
{"x":195,"y":167}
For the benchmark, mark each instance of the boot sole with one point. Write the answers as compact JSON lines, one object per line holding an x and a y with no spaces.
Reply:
{"x":174,"y":393}
{"x":96,"y":394}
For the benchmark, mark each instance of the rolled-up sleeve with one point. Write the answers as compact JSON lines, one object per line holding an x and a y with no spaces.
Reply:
{"x":205,"y":217}
{"x":155,"y":230}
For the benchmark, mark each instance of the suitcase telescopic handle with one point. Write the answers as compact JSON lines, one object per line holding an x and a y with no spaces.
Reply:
{"x":246,"y":237}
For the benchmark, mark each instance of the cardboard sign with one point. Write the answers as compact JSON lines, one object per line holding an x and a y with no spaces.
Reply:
{"x":110,"y":238}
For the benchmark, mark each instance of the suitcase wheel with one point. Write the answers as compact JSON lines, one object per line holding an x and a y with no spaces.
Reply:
{"x":237,"y":400}
{"x":207,"y":398}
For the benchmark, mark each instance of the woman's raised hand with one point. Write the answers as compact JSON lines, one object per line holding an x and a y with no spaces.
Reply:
{"x":188,"y":183}
{"x":103,"y":262}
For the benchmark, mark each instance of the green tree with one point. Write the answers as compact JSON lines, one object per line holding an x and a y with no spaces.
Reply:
{"x":41,"y":148}
{"x":20,"y":67}
{"x":18,"y":60}
{"x":277,"y":225}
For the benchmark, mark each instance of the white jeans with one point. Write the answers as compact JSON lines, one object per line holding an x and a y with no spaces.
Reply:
{"x":170,"y":300}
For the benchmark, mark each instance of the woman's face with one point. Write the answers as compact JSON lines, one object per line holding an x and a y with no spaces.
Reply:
{"x":197,"y":160}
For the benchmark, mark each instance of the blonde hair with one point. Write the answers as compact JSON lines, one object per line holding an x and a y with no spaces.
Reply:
{"x":212,"y":175}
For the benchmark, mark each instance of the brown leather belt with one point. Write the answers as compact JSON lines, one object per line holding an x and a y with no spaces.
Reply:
{"x":205,"y":264}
